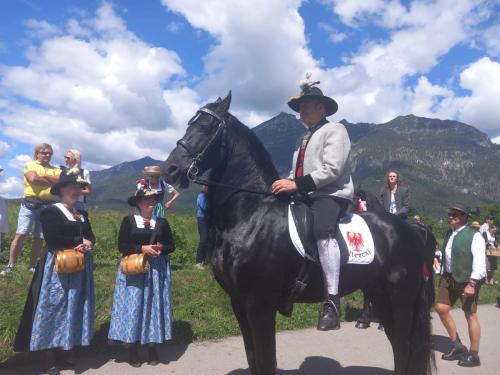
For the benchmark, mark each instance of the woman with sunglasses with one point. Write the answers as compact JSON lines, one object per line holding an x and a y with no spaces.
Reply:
{"x":395,"y":196}
{"x":73,"y":161}
{"x":157,"y":184}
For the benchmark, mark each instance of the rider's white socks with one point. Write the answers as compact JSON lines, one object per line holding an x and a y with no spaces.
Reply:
{"x":329,"y":256}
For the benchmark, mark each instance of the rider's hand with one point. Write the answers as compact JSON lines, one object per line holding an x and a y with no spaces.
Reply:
{"x":283,"y":186}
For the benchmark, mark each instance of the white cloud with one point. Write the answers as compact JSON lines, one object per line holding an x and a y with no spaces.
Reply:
{"x":492,"y":40}
{"x":175,"y":26}
{"x":19,"y":160}
{"x":4,"y":148}
{"x":260,"y":53}
{"x":333,"y":35}
{"x":41,"y":29}
{"x":97,"y":88}
{"x":480,"y":108}
{"x":11,"y":187}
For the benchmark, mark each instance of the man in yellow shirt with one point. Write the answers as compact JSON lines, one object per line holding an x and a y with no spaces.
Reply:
{"x":39,"y":176}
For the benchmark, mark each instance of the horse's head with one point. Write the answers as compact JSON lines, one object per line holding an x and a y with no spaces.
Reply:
{"x":201,"y":148}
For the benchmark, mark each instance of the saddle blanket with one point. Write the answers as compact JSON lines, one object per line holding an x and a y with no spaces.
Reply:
{"x":355,"y":234}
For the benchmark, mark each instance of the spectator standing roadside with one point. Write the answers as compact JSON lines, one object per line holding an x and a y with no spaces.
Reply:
{"x":491,"y":266}
{"x":203,"y":227}
{"x":488,"y":220}
{"x":142,"y":303}
{"x":156,"y":184}
{"x":4,"y":220}
{"x":59,"y":309}
{"x":463,"y":269}
{"x":395,"y":196}
{"x":39,"y":176}
{"x":73,"y":161}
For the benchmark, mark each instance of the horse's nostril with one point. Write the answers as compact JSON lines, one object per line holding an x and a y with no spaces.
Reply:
{"x":171,"y":170}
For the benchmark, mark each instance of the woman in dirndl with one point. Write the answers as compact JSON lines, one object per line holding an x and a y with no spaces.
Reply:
{"x":142,"y":308}
{"x":59,"y":310}
{"x":157,"y":184}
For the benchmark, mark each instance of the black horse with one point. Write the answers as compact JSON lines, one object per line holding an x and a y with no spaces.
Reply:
{"x":254,"y":260}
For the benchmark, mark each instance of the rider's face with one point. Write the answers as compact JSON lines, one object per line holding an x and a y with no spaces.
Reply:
{"x":311,"y":112}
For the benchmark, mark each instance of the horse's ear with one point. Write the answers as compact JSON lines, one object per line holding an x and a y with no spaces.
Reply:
{"x":226,"y":103}
{"x":218,"y":100}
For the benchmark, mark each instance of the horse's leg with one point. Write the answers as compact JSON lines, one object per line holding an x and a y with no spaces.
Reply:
{"x":403,"y":319}
{"x":261,"y":314}
{"x":241,"y":315}
{"x":363,"y":321}
{"x":382,"y":305}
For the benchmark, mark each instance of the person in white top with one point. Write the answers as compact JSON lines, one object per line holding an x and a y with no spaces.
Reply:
{"x":488,"y":220}
{"x":463,"y":269}
{"x":73,"y":161}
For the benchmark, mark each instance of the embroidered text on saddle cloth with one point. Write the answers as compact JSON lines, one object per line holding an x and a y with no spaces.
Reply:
{"x":359,"y":240}
{"x":355,"y":232}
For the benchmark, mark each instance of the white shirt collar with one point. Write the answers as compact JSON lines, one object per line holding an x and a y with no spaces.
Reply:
{"x":66,"y":212}
{"x":139,"y":221}
{"x":459,"y":229}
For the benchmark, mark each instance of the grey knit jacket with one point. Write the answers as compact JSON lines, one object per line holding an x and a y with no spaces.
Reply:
{"x":326,"y":168}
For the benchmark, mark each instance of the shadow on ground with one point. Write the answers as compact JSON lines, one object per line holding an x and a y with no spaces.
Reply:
{"x":442,"y":344}
{"x":98,"y":354}
{"x":323,"y":366}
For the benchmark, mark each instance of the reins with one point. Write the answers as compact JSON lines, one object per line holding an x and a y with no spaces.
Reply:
{"x":200,"y":181}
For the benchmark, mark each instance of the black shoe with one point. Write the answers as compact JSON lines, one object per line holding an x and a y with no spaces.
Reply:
{"x":133,"y":356}
{"x":49,"y":363}
{"x":469,"y":360}
{"x":65,"y":359}
{"x":329,"y":317}
{"x":153,"y":356}
{"x":362,"y":325}
{"x":457,"y":352}
{"x":53,"y":371}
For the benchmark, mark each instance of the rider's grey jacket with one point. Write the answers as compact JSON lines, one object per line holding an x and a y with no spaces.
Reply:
{"x":326,"y":168}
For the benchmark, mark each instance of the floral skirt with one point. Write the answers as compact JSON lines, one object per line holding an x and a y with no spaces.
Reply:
{"x":142,"y":309}
{"x":64,"y":315}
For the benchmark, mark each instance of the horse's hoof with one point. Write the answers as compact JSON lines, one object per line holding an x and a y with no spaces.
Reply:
{"x":362,"y":325}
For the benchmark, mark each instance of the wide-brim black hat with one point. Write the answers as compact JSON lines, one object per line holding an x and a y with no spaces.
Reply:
{"x":315,"y":93}
{"x":132,"y":201}
{"x":464,"y":210}
{"x":65,"y":180}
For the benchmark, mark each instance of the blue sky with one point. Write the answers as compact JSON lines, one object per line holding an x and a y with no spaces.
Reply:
{"x":118,"y":79}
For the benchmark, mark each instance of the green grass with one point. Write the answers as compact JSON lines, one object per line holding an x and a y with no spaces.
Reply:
{"x":201,"y":309}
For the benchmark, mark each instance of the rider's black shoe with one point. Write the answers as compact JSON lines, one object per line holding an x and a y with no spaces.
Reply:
{"x":469,"y":360}
{"x":329,"y":317}
{"x":457,"y":352}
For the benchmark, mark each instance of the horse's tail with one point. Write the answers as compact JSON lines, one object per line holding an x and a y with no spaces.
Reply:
{"x":422,"y":360}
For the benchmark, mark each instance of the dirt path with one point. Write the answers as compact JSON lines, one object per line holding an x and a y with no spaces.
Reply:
{"x":349,"y":351}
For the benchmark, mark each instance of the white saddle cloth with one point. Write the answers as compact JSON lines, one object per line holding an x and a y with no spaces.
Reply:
{"x":355,"y":232}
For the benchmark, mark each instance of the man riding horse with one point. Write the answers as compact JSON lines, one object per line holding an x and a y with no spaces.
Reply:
{"x":321,"y":173}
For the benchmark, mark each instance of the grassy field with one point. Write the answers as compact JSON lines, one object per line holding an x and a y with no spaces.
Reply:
{"x":201,"y":309}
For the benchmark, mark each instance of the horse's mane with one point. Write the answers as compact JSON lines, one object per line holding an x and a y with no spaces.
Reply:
{"x":256,"y":148}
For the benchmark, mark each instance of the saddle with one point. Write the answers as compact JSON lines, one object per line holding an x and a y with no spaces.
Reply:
{"x":353,"y":237}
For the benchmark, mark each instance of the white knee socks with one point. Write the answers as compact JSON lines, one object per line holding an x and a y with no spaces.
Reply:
{"x":329,"y":256}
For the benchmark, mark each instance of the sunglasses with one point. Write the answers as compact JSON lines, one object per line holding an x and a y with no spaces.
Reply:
{"x":454,"y":214}
{"x":45,"y":152}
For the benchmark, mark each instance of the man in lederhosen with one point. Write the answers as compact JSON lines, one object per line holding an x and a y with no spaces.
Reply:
{"x":463,"y":270}
{"x":321,"y":172}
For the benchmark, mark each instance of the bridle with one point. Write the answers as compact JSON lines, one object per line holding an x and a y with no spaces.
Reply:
{"x":198,"y":159}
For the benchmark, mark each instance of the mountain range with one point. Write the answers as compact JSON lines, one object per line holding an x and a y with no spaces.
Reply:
{"x":442,"y":161}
